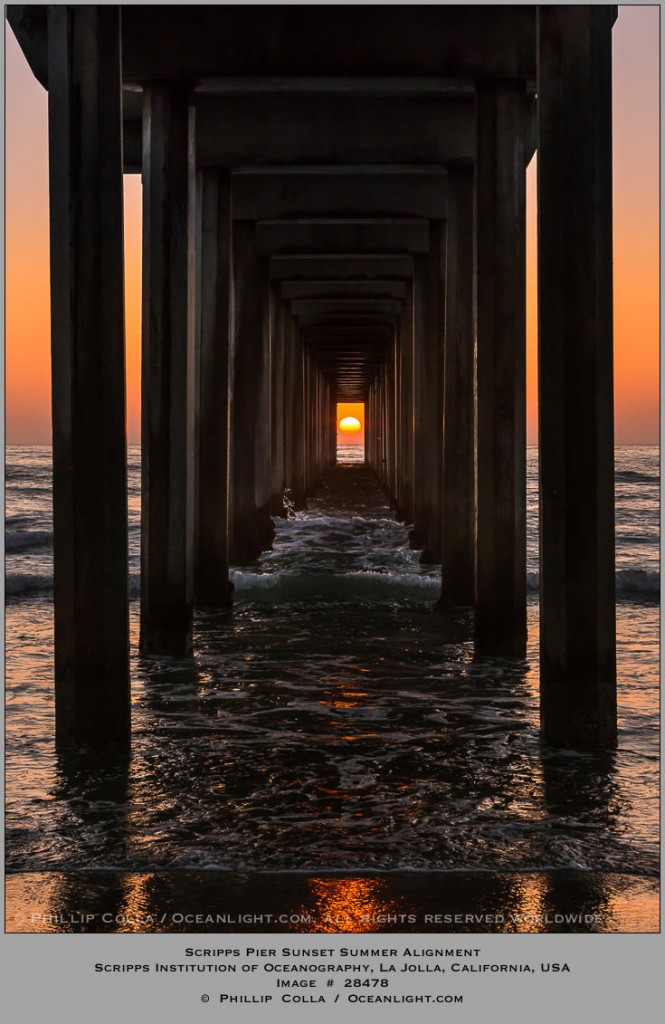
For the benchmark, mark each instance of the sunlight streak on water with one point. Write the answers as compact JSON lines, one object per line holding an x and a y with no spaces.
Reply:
{"x":333,"y":720}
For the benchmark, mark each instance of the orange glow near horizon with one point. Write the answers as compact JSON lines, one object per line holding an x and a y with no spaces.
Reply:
{"x":636,"y":176}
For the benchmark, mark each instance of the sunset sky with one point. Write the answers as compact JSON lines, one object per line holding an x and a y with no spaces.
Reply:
{"x":636,"y":253}
{"x":357,"y":410}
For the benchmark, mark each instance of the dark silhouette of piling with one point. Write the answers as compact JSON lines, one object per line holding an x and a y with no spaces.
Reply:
{"x":328,"y":224}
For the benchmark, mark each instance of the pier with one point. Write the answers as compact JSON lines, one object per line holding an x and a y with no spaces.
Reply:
{"x":334,"y":210}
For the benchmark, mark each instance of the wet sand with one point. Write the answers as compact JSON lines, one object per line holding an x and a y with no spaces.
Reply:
{"x":252,"y":821}
{"x":186,"y":902}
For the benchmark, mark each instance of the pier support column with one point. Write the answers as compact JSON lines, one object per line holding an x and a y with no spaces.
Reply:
{"x":577,"y":573}
{"x":294,"y":439}
{"x":307,"y":472}
{"x":167,"y":425}
{"x":417,"y":534}
{"x":404,"y":511}
{"x":252,"y":529}
{"x":501,"y":368}
{"x":382,"y":413}
{"x":320,"y":423}
{"x":309,"y":425}
{"x":458,"y":494}
{"x":387,"y":385}
{"x":429,"y":274}
{"x":392,"y":418}
{"x":278,"y":408}
{"x":211,"y":572}
{"x":370,"y":430}
{"x":332,"y":427}
{"x":87,"y":345}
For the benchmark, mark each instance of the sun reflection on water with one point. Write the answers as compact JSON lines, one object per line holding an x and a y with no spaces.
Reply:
{"x":345,"y":905}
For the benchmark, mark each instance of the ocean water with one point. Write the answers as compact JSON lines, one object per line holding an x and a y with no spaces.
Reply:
{"x":333,"y":720}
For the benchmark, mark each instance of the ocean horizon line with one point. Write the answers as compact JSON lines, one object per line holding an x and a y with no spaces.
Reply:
{"x":137,"y":444}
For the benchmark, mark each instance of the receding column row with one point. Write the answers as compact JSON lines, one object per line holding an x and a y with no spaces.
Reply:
{"x":239,"y":384}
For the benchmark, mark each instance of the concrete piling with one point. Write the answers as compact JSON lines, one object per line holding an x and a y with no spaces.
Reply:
{"x":389,"y":270}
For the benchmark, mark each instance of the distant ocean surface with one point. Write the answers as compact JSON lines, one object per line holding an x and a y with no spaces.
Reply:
{"x":29,"y":537}
{"x":333,"y":720}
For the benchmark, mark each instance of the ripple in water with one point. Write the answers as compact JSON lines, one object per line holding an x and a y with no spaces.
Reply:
{"x":334,"y":721}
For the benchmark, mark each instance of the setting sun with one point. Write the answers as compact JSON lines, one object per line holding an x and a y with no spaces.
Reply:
{"x":350,"y":425}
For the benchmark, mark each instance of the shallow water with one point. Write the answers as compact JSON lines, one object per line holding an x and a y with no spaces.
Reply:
{"x":334,"y":720}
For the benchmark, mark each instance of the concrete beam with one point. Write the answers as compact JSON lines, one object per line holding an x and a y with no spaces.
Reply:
{"x":358,"y":321}
{"x":274,"y":130}
{"x":267,"y":196}
{"x":334,"y":307}
{"x":342,"y":289}
{"x":341,"y":267}
{"x":339,"y":42}
{"x":323,"y":43}
{"x":365,"y":235}
{"x":368,"y":334}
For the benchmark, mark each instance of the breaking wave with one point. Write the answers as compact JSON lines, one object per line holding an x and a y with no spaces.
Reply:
{"x":28,"y":540}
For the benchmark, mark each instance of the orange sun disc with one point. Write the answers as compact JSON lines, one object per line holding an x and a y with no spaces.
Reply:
{"x":350,"y":425}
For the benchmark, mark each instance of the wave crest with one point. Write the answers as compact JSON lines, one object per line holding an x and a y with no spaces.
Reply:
{"x":28,"y":540}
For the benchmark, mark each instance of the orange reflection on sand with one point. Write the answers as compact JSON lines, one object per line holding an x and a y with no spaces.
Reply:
{"x":134,"y":912}
{"x":345,"y":905}
{"x":30,"y":907}
{"x":530,"y":904}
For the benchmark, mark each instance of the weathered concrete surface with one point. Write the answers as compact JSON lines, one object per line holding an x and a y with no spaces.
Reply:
{"x":294,"y":440}
{"x":327,"y":235}
{"x":458,"y":496}
{"x":429,"y":285}
{"x":251,"y":525}
{"x":501,"y":369}
{"x":346,"y":266}
{"x":167,"y":378}
{"x":343,"y":224}
{"x":211,"y":571}
{"x":447,"y":45}
{"x":88,"y":384}
{"x":343,"y":192}
{"x":321,"y":307}
{"x":578,"y":643}
{"x":278,"y":408}
{"x":343,"y":289}
{"x":405,"y":398}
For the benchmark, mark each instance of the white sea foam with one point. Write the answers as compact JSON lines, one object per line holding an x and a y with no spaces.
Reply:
{"x":640,"y":584}
{"x":25,"y":584}
{"x":19,"y":585}
{"x":283,"y":587}
{"x":27,"y":540}
{"x":312,"y":733}
{"x":354,"y":587}
{"x":319,"y":549}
